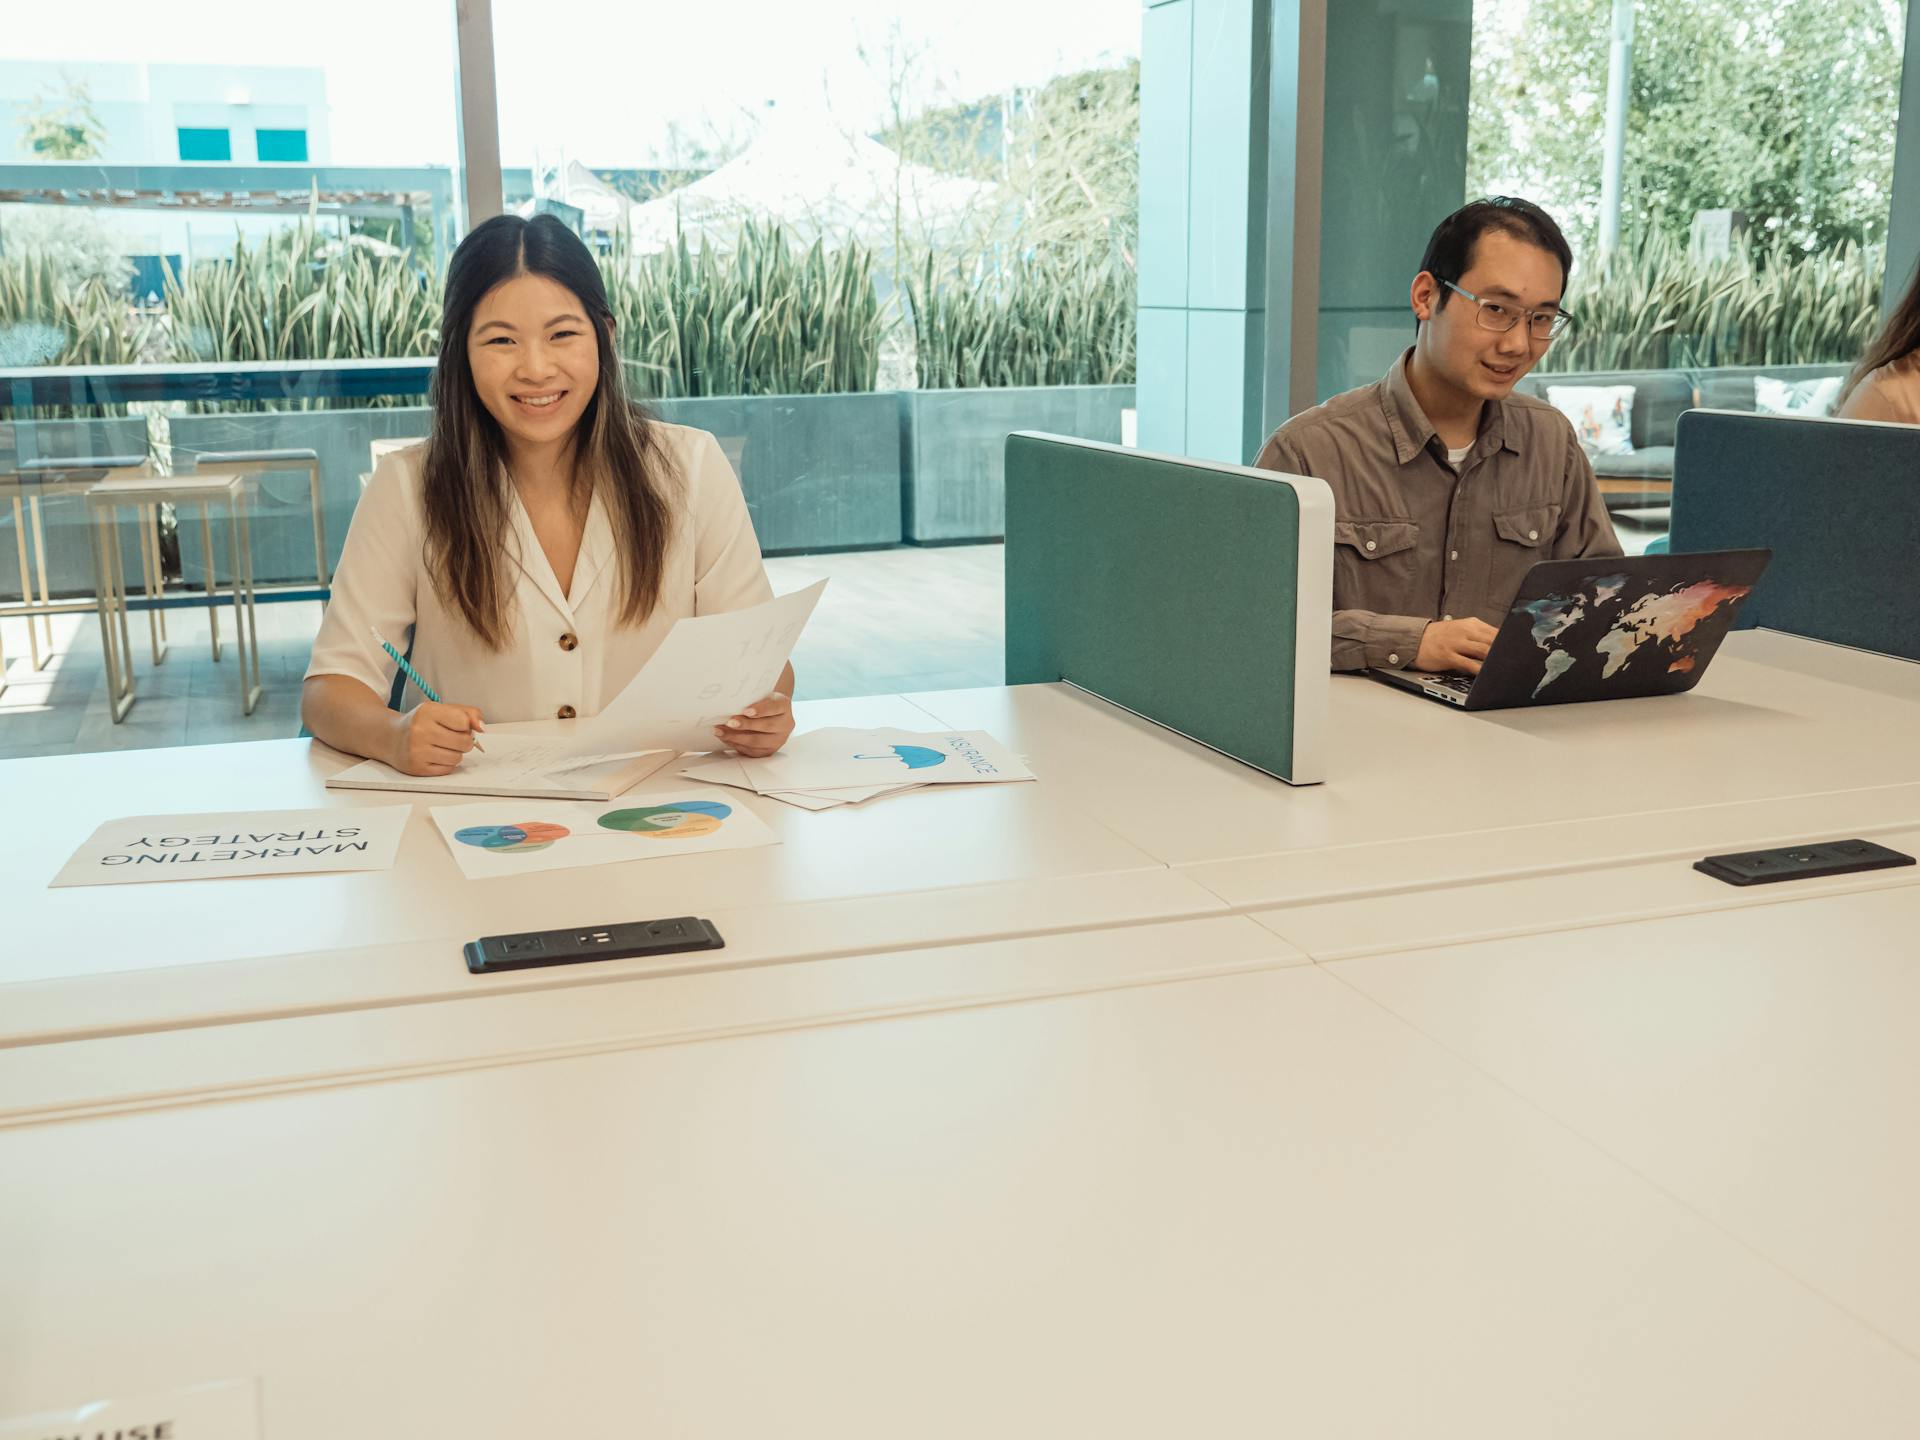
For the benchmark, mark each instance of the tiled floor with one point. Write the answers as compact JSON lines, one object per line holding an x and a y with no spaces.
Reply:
{"x":891,"y":620}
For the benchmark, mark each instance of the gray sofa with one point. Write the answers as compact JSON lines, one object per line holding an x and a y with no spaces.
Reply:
{"x":1645,"y":477}
{"x":1659,"y":397}
{"x":1732,"y":388}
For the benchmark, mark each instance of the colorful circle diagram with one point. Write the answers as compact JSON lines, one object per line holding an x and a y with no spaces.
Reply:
{"x":916,"y":757}
{"x":521,"y":839}
{"x":686,"y":821}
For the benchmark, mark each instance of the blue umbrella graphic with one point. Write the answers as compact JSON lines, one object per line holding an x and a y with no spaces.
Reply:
{"x":917,"y":757}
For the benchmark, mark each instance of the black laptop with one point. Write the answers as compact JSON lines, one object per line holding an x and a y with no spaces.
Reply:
{"x":1603,"y":630}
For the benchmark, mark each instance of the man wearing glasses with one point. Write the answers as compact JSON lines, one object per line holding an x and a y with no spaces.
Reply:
{"x":1447,"y":487}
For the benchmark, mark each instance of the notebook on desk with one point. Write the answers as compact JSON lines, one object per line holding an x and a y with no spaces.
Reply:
{"x":533,"y":766}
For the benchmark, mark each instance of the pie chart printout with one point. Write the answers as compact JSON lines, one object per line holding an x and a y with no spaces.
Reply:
{"x":684,"y":821}
{"x":521,"y":839}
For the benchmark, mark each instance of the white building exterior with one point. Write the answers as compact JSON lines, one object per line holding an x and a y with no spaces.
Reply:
{"x":144,"y":108}
{"x":170,"y":115}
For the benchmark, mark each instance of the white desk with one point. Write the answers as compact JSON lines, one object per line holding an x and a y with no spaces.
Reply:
{"x":932,"y":867}
{"x":1041,"y":1139}
{"x":1251,"y":1204}
{"x":1759,"y":1066}
{"x":1345,"y":927}
{"x":1777,"y":752}
{"x":1784,"y":738}
{"x":490,"y":1026}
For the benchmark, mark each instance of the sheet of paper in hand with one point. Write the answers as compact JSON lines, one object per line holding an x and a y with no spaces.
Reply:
{"x":142,"y":848}
{"x":709,"y":667}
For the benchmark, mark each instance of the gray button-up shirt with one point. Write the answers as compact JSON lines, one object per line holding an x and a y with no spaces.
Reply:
{"x":1413,"y":540}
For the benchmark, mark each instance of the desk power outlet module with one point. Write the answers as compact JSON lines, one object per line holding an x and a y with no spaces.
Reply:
{"x":493,"y":953}
{"x":1801,"y":862}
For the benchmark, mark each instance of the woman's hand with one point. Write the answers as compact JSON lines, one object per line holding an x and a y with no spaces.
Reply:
{"x":760,"y":729}
{"x":431,"y":738}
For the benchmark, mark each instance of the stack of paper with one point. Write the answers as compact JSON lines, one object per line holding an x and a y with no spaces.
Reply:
{"x":838,"y":766}
{"x":555,"y":768}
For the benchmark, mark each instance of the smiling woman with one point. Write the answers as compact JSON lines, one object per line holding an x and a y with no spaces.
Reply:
{"x":546,"y":537}
{"x":528,"y":390}
{"x":536,"y":378}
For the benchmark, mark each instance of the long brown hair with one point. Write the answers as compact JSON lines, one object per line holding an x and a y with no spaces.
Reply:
{"x":616,"y":447}
{"x":1898,"y":338}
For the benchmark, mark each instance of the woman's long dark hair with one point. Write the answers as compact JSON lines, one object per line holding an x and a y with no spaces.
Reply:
{"x":616,"y":448}
{"x":1898,"y":338}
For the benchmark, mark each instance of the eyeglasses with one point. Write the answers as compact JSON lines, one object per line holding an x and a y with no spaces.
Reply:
{"x":1497,"y":315}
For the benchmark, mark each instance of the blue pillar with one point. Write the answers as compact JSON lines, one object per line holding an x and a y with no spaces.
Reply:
{"x":1294,"y":155}
{"x":1227,"y":179}
{"x":1395,"y":159}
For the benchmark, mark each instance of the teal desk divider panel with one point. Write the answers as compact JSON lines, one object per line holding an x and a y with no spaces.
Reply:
{"x":1194,"y":594}
{"x":1837,"y":501}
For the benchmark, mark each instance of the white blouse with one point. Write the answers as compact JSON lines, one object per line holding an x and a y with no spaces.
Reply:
{"x":567,"y":653}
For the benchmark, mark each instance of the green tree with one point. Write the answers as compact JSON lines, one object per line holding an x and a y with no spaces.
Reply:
{"x":61,"y":124}
{"x":1785,"y":112}
{"x":1066,"y":152}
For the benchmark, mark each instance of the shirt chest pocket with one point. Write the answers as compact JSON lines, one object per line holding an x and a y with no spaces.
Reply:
{"x":1374,"y":540}
{"x":1373,"y":564}
{"x":1533,"y":526}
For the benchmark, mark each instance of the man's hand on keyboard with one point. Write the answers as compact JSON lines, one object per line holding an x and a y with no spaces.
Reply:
{"x":1459,"y":645}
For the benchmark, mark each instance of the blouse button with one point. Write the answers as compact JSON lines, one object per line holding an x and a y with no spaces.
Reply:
{"x":1533,"y":534}
{"x":1372,"y":545}
{"x":566,"y":712}
{"x":569,"y":641}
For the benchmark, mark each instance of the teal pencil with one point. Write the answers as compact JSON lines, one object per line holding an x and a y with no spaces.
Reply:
{"x":412,"y":674}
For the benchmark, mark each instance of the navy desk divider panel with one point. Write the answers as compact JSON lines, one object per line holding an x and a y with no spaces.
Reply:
{"x":1194,"y":594}
{"x":1838,"y":503}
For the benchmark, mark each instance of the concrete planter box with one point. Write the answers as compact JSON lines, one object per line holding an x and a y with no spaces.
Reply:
{"x":282,"y":523}
{"x":820,"y":472}
{"x":953,"y":446}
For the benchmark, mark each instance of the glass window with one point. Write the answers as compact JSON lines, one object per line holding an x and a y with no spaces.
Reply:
{"x":205,"y":144}
{"x":1724,"y":173}
{"x":1729,"y":224}
{"x":860,"y":251}
{"x":288,"y":145}
{"x":1754,"y":155}
{"x":148,"y":264}
{"x":186,"y":248}
{"x":1756,"y":168}
{"x":1395,"y":155}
